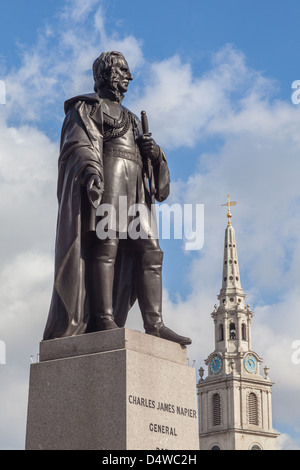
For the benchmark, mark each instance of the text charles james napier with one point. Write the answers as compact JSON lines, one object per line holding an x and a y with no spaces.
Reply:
{"x":162,"y":406}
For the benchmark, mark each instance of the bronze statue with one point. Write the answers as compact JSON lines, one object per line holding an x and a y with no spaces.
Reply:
{"x":107,"y":155}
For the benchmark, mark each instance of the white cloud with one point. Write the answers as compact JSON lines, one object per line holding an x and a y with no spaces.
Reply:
{"x":59,"y":65}
{"x":78,"y":11}
{"x":286,"y":442}
{"x":28,"y":173}
{"x":25,"y":283}
{"x":184,"y":108}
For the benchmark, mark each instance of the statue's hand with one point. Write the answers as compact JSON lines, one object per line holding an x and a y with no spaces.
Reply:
{"x":95,"y":190}
{"x":149,"y":148}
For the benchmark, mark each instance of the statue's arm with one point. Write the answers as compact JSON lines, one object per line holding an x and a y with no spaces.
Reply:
{"x":161,"y":177}
{"x":77,"y":150}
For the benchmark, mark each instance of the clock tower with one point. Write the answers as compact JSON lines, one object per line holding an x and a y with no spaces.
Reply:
{"x":235,"y":408}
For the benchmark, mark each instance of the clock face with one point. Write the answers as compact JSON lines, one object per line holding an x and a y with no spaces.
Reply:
{"x":216,"y":364}
{"x":250,"y":363}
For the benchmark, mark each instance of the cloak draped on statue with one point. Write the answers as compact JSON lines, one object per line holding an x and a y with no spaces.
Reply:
{"x":81,"y":154}
{"x":80,"y":151}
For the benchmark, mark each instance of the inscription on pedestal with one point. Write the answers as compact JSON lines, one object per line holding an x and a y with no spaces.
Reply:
{"x":166,"y":410}
{"x":163,"y":423}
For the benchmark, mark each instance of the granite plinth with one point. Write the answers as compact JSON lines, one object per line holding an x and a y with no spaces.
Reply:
{"x":112,"y":390}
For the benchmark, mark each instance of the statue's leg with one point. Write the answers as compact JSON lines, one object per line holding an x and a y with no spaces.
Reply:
{"x":103,"y":258}
{"x":149,"y":289}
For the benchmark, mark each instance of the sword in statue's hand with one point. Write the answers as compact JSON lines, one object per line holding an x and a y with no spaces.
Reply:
{"x":145,"y":124}
{"x":145,"y":127}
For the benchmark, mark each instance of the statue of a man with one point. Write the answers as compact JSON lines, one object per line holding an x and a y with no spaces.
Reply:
{"x":106,"y":157}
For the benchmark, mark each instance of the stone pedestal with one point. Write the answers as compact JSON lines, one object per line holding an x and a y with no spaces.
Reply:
{"x":112,"y":390}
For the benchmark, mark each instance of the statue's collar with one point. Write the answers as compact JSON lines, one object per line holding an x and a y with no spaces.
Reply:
{"x":111,"y":95}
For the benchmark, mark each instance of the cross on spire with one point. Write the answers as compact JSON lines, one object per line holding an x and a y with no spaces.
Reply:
{"x":229,"y":204}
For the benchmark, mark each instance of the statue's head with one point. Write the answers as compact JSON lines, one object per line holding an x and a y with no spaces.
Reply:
{"x":111,"y":72}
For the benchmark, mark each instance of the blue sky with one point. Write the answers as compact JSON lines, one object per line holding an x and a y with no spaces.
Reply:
{"x":215,"y":78}
{"x":264,"y":31}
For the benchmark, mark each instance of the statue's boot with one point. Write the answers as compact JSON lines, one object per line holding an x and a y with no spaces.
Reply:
{"x":150,"y":298}
{"x":102,"y":280}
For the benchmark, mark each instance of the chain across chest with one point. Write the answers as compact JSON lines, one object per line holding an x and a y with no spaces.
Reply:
{"x":116,"y":127}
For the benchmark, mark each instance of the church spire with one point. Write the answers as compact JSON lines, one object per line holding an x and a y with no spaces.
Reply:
{"x":231,"y":283}
{"x":234,"y":399}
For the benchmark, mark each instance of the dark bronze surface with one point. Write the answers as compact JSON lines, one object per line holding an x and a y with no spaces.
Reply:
{"x":107,"y":153}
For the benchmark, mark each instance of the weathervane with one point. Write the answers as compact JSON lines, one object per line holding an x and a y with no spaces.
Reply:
{"x":229,"y":204}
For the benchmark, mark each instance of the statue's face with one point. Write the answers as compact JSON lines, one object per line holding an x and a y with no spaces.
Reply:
{"x":120,"y":76}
